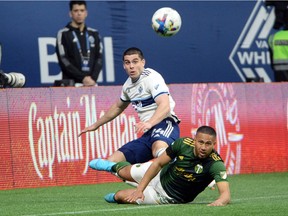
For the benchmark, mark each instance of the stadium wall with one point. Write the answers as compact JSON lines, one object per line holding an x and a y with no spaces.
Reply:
{"x":219,"y":41}
{"x":39,"y":127}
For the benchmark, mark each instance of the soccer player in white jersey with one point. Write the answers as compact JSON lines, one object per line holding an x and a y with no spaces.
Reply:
{"x":149,"y":95}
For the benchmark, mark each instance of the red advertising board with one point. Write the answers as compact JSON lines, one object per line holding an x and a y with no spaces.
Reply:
{"x":6,"y":175}
{"x":40,"y":126}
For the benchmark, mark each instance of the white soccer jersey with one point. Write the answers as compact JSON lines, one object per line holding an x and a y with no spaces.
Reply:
{"x":143,"y":92}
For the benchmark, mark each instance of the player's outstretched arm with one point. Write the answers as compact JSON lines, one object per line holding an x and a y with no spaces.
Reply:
{"x":115,"y":110}
{"x":162,"y":111}
{"x":224,"y":194}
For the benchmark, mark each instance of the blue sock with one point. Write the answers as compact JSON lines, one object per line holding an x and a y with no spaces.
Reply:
{"x":102,"y":165}
{"x":110,"y":198}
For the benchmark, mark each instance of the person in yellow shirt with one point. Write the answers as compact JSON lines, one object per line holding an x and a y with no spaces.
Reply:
{"x":278,"y":43}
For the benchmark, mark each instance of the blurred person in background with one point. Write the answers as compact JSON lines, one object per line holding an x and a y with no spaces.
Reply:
{"x":278,"y":42}
{"x":79,"y":48}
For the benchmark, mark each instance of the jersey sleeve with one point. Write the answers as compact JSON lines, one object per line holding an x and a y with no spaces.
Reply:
{"x":124,"y":97}
{"x":218,"y":171}
{"x":173,"y":149}
{"x":157,"y":85}
{"x":179,"y":146}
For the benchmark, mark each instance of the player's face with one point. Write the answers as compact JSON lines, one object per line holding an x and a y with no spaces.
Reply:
{"x":204,"y":144}
{"x":78,"y":14}
{"x":133,"y":66}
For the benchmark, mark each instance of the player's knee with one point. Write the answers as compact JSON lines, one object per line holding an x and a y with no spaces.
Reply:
{"x":117,"y":157}
{"x":120,"y":196}
{"x":160,"y":151}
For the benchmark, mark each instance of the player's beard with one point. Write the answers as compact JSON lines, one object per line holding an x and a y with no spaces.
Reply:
{"x":200,"y":154}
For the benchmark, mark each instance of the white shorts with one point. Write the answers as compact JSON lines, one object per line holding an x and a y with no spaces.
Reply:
{"x":154,"y":193}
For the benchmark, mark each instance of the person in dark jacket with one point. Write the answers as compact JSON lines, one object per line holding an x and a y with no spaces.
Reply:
{"x":79,"y":48}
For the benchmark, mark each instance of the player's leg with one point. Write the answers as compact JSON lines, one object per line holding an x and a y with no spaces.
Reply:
{"x":164,"y":134}
{"x":136,"y":173}
{"x":123,"y":170}
{"x":117,"y":156}
{"x":150,"y":197}
{"x":158,"y":147}
{"x":120,"y":196}
{"x":153,"y":193}
{"x":138,"y":150}
{"x":106,"y":165}
{"x":131,"y":173}
{"x":134,"y":152}
{"x":101,"y":165}
{"x":128,"y":172}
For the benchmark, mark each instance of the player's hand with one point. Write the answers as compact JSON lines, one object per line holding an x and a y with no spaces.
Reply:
{"x":87,"y":129}
{"x":216,"y":203}
{"x":142,"y":127}
{"x":135,"y":197}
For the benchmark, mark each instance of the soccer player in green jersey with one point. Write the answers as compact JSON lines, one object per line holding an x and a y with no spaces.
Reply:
{"x":182,"y":172}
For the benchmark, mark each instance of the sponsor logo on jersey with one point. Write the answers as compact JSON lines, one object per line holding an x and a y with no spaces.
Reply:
{"x":223,"y":174}
{"x":140,"y":89}
{"x":198,"y":168}
{"x":156,"y":86}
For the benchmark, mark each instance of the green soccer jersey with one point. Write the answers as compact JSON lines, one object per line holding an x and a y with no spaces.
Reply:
{"x":187,"y":175}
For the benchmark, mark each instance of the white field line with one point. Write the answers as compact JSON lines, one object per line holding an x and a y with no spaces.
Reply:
{"x":100,"y":210}
{"x":151,"y":206}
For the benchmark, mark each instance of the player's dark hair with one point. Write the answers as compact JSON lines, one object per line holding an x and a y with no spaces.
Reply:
{"x":72,"y":3}
{"x":206,"y":130}
{"x":133,"y":50}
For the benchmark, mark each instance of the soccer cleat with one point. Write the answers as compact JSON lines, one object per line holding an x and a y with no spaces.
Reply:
{"x":101,"y":165}
{"x":110,"y":198}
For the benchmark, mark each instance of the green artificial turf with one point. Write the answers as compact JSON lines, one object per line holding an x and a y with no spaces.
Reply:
{"x":253,"y":194}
